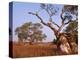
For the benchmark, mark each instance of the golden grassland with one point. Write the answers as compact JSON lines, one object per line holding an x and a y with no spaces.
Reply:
{"x":35,"y":50}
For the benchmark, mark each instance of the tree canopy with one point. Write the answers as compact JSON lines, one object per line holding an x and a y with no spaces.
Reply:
{"x":30,"y":32}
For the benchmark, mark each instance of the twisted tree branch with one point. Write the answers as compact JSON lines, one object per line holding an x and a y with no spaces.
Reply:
{"x":49,"y":25}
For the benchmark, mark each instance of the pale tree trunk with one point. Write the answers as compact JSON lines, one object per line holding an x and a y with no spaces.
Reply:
{"x":56,"y":31}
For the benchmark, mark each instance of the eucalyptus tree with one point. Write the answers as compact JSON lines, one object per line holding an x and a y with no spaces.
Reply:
{"x":30,"y":32}
{"x":67,"y":15}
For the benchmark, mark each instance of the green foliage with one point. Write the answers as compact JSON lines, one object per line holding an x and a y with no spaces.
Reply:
{"x":49,"y":8}
{"x":73,"y":26}
{"x":73,"y":9}
{"x":31,"y":32}
{"x":24,"y":28}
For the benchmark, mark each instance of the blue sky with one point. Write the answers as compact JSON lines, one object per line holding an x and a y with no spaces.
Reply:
{"x":20,"y":16}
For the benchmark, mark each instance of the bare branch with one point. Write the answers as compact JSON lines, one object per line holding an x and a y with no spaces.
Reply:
{"x":55,"y":24}
{"x":62,"y":23}
{"x":50,"y":16}
{"x":49,"y":25}
{"x":60,"y":27}
{"x":53,"y":29}
{"x":62,"y":17}
{"x":67,"y":22}
{"x":31,"y":13}
{"x":38,"y":17}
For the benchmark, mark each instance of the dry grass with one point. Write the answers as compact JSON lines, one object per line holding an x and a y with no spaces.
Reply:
{"x":35,"y":50}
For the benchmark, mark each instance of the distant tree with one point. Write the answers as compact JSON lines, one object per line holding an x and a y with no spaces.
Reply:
{"x":22,"y":31}
{"x":30,"y":32}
